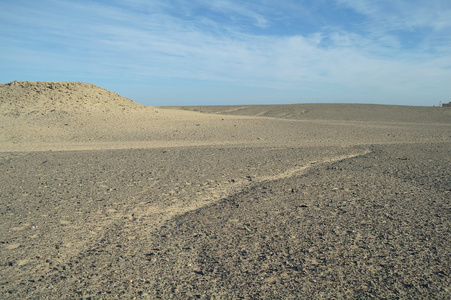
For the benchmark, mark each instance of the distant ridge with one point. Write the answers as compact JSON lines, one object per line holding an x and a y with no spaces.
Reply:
{"x":23,"y":97}
{"x":332,"y":112}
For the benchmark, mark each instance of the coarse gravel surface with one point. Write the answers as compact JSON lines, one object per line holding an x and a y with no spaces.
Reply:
{"x":373,"y":226}
{"x":103,"y":198}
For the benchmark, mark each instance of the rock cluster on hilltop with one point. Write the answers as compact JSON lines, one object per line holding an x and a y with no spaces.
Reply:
{"x":23,"y":97}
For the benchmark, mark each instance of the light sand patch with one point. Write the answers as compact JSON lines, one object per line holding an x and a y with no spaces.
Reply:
{"x":12,"y":246}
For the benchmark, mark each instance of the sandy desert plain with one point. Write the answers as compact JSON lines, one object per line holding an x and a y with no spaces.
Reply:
{"x":104,"y":198}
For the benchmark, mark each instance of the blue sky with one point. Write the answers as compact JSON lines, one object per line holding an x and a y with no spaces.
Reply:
{"x":203,"y":52}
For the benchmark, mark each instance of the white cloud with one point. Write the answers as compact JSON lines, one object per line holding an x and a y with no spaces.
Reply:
{"x":403,"y":14}
{"x":155,"y":39}
{"x":237,"y":8}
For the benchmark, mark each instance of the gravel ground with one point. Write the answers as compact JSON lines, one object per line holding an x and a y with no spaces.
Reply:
{"x":377,"y":226}
{"x":103,"y":198}
{"x":101,"y":224}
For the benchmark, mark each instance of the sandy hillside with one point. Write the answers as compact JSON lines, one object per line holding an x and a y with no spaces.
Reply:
{"x":103,"y":198}
{"x":38,"y":116}
{"x":29,"y":98}
{"x":73,"y":115}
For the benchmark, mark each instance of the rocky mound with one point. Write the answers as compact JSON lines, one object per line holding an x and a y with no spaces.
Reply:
{"x":24,"y":97}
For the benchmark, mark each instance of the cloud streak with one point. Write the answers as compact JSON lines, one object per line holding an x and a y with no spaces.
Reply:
{"x":392,"y":50}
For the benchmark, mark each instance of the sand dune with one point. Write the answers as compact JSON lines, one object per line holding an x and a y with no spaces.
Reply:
{"x":220,"y":202}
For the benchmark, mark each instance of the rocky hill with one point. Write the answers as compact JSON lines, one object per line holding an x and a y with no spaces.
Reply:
{"x":19,"y":98}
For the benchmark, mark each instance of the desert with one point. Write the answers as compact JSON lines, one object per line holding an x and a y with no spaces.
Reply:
{"x":103,"y":198}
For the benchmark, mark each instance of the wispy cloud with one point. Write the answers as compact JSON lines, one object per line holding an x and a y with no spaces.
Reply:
{"x":289,"y":46}
{"x":415,"y":24}
{"x":404,"y":15}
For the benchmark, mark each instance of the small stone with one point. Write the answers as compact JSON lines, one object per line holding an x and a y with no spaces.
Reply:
{"x":251,"y":178}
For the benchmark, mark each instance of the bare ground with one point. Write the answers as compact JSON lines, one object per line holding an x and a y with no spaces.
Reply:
{"x":271,"y":202}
